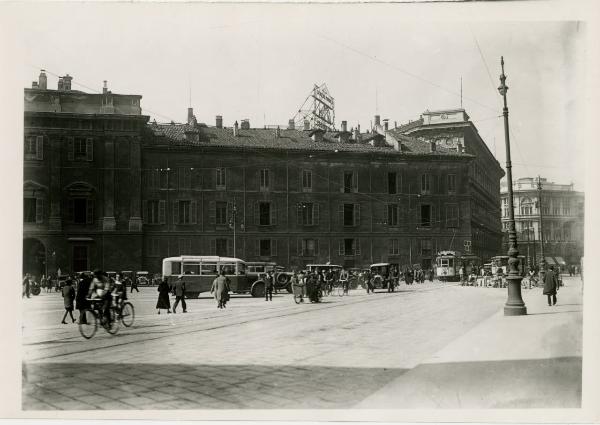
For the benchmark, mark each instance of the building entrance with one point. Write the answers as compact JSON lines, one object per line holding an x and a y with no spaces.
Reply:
{"x":34,"y":258}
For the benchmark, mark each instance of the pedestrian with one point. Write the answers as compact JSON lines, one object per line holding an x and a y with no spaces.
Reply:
{"x":220,"y":288}
{"x":269,"y":285}
{"x":27,"y":285}
{"x":179,"y":289}
{"x":81,"y":301}
{"x":163,"y":301}
{"x":68,"y":294}
{"x":297,"y":282}
{"x":461,"y":273}
{"x":430,"y":274}
{"x":550,"y":286}
{"x":134,"y":285}
{"x":344,"y":280}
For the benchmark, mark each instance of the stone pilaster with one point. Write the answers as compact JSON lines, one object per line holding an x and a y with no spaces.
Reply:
{"x":135,"y":216}
{"x":55,"y":221}
{"x":108,"y":220}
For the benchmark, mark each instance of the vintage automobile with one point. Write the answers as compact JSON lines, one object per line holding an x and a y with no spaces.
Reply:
{"x":200,"y":271}
{"x":258,"y":269}
{"x":380,"y":274}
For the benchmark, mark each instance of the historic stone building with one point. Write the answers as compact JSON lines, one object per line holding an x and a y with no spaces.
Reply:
{"x":81,"y":188}
{"x":453,"y":130}
{"x":562,"y":212}
{"x":105,"y":189}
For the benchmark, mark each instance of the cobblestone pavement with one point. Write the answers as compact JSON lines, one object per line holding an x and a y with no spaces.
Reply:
{"x":254,"y":354}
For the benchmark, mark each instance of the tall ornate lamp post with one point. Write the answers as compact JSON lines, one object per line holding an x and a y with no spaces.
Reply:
{"x":543,"y":260}
{"x":515,"y":306}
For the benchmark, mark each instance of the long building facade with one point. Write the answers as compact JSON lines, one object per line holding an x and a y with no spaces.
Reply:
{"x":561,"y":213}
{"x":294,"y":196}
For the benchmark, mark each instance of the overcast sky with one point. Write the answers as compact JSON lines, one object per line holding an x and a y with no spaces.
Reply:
{"x":260,"y":62}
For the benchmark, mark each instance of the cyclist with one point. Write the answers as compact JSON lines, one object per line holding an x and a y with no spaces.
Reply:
{"x":100,"y":289}
{"x":119,"y":291}
{"x":329,"y":280}
{"x":344,"y":280}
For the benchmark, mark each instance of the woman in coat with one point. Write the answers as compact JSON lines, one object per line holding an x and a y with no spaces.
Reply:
{"x":220,"y":289}
{"x":68,"y":293}
{"x":163,"y":296}
{"x":550,"y":286}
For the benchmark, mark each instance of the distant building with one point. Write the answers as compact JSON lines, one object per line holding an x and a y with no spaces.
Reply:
{"x":452,"y":130}
{"x":105,"y":189}
{"x":563,"y":220}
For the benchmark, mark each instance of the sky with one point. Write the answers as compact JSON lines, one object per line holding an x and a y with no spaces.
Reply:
{"x":260,"y":62}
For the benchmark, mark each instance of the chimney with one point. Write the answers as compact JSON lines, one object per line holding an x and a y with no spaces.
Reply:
{"x":104,"y":87}
{"x":278,"y":132}
{"x":219,"y":121}
{"x":432,"y":146}
{"x":344,"y":135}
{"x":291,"y":124}
{"x":344,"y":126}
{"x":43,"y":80}
{"x":34,"y":85}
{"x":60,"y":86}
{"x":395,"y":124}
{"x":245,"y":124}
{"x":67,"y":82}
{"x":236,"y":131}
{"x":385,"y":124}
{"x":306,"y":125}
{"x":356,"y":135}
{"x":377,"y":120}
{"x":190,"y":115}
{"x":459,"y":148}
{"x":317,"y":135}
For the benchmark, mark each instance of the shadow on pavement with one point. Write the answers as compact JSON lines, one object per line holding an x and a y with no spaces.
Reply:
{"x":536,"y":383}
{"x":49,"y":386}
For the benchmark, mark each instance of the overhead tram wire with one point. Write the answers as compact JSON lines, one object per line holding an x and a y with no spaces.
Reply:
{"x":410,"y":74}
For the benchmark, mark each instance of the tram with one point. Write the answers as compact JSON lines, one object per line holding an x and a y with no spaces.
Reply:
{"x":447,"y":265}
{"x":500,"y":262}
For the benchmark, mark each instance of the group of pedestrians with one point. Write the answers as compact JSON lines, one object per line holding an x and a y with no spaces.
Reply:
{"x":177,"y":289}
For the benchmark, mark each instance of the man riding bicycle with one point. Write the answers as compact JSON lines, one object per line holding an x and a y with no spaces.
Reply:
{"x":100,"y":289}
{"x":344,"y":276}
{"x":119,"y":292}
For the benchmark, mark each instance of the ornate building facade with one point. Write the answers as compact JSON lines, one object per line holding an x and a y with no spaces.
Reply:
{"x":562,"y":212}
{"x":104,"y":188}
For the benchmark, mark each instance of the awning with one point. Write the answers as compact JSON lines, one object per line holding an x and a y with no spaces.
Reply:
{"x":550,"y":261}
{"x":560,"y":261}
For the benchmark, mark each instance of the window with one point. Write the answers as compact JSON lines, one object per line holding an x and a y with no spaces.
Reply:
{"x":425,"y":216}
{"x":264,"y":213}
{"x":29,"y":210}
{"x":307,"y":183}
{"x":349,"y":247}
{"x":185,"y":248}
{"x":350,"y":214}
{"x":221,"y":247}
{"x":264,"y":179}
{"x":184,"y":212}
{"x":526,"y":206}
{"x":426,"y":183}
{"x":81,"y":210}
{"x":191,"y":268}
{"x":265,"y":247}
{"x":308,"y":247}
{"x":34,"y":147}
{"x":504,"y":207}
{"x":556,"y":207}
{"x":451,"y":181}
{"x":154,"y":247}
{"x":221,"y":213}
{"x":394,"y":247}
{"x":392,"y":183}
{"x":452,"y":215}
{"x":566,"y":208}
{"x":185,"y":178}
{"x":221,"y":178}
{"x":308,"y":214}
{"x":391,"y":217}
{"x":426,"y":247}
{"x":154,"y":212}
{"x":80,"y":149}
{"x":80,"y":258}
{"x":350,"y":182}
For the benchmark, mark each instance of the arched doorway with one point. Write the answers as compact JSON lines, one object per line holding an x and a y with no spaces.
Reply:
{"x":34,"y":257}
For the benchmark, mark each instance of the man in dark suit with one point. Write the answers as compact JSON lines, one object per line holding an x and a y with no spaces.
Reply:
{"x":269,"y":285}
{"x":551,"y":286}
{"x":179,"y":289}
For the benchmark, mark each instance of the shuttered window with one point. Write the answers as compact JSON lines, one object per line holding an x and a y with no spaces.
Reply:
{"x":80,"y":148}
{"x":34,"y":148}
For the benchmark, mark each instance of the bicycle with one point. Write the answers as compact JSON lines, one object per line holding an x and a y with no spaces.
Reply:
{"x":126,"y":313}
{"x":94,"y":316}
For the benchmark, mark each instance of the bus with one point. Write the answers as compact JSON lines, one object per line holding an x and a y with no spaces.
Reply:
{"x":199,"y":272}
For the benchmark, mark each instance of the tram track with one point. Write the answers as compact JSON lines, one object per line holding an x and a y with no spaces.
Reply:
{"x":183,"y":328}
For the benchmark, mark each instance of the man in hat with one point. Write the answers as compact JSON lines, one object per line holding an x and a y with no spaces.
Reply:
{"x":179,"y":289}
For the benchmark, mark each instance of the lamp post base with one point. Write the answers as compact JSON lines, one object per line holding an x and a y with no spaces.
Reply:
{"x":515,"y":306}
